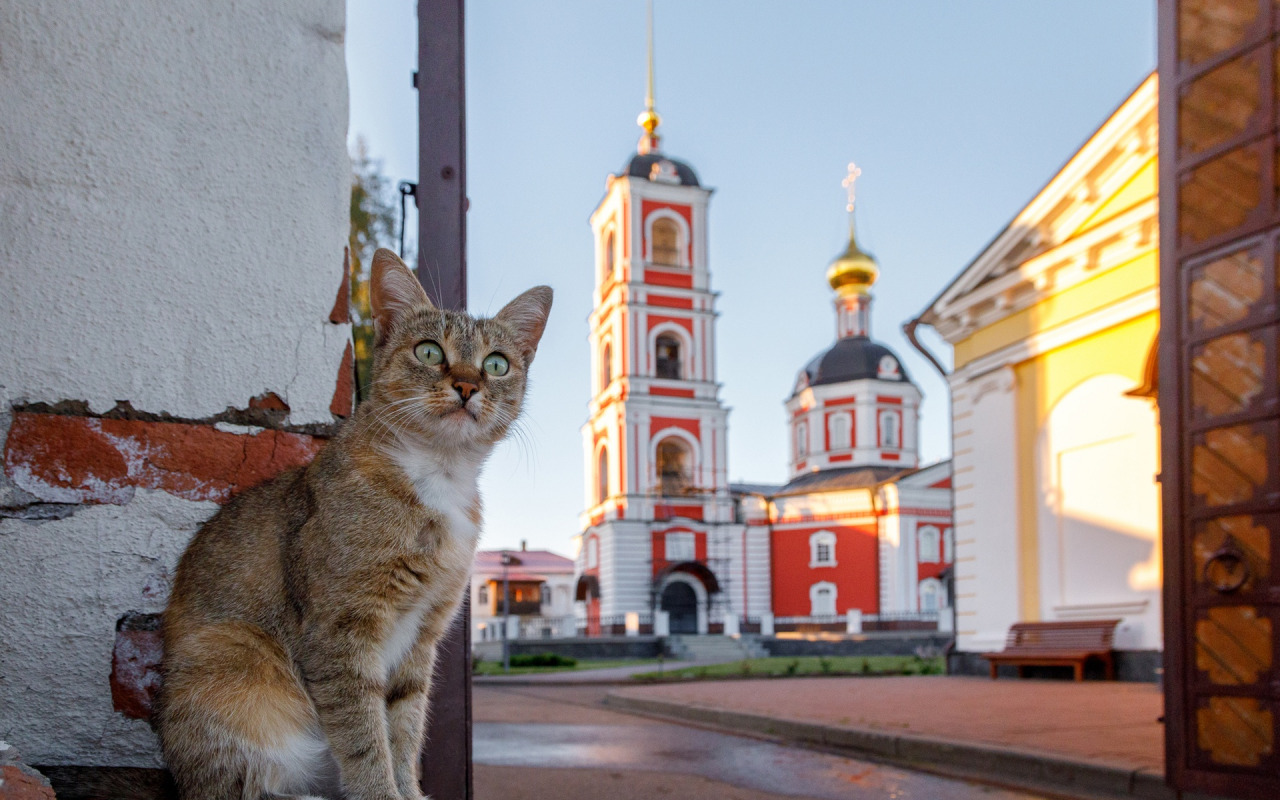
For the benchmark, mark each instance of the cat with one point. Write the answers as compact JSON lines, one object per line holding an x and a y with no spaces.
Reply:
{"x":305,"y":615}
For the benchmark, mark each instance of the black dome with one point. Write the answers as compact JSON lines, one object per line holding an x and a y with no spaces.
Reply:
{"x":641,"y":166}
{"x":852,"y":359}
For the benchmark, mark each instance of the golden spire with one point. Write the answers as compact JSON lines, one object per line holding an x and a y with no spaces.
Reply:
{"x":649,"y":119}
{"x":853,"y":271}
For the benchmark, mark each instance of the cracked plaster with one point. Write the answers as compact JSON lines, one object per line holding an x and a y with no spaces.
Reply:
{"x":66,"y":583}
{"x":173,"y":203}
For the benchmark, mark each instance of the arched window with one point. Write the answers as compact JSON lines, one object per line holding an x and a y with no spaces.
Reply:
{"x":838,"y":427}
{"x":930,"y":594}
{"x":665,"y":235}
{"x":929,"y":538}
{"x":890,"y":430}
{"x":668,"y":357}
{"x":822,"y":549}
{"x":602,"y":475}
{"x":673,"y":466}
{"x":610,"y":256}
{"x":822,"y":599}
{"x":606,"y":366}
{"x":482,"y":594}
{"x":802,"y":440}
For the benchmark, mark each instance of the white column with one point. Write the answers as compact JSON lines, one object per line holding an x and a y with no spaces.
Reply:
{"x":661,"y":623}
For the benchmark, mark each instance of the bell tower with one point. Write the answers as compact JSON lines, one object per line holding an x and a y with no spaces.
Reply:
{"x":655,"y":438}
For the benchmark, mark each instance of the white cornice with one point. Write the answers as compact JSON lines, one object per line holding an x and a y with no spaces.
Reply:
{"x":1117,"y":241}
{"x":1114,"y":314}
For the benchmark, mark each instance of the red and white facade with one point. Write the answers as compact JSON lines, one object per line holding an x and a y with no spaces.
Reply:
{"x":859,"y":527}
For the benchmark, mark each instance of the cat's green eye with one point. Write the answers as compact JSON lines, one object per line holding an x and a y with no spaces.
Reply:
{"x":429,"y":353}
{"x":496,"y":364}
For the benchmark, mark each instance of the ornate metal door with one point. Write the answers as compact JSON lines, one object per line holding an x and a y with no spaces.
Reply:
{"x":1219,"y":394}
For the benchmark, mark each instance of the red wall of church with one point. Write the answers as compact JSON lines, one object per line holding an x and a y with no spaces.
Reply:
{"x":855,"y":573}
{"x":660,"y":547}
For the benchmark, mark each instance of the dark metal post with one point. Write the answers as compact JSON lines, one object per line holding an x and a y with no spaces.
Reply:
{"x":441,"y":198}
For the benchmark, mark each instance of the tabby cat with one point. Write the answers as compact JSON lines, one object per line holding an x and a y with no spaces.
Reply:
{"x":305,"y":615}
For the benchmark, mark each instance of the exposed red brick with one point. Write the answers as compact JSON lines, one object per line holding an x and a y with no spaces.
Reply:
{"x":135,"y":672}
{"x":19,"y":782}
{"x":341,"y":313}
{"x":268,"y":401}
{"x":340,"y":406}
{"x":73,"y":459}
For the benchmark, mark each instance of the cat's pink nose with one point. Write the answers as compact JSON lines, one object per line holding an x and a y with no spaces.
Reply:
{"x":465,"y":389}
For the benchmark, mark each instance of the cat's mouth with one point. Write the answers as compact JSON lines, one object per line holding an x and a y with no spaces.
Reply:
{"x":462,"y":412}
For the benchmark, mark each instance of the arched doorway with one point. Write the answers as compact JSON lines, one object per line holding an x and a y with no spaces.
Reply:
{"x":680,"y":602}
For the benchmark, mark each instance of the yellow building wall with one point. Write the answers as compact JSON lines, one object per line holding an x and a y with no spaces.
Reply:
{"x":1139,"y":275}
{"x":1040,"y":383}
{"x":1045,"y":379}
{"x":1140,"y":187}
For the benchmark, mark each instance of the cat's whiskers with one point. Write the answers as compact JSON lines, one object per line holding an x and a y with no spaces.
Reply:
{"x":389,"y":418}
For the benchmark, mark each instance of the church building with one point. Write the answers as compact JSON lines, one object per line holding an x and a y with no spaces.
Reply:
{"x":860,"y":527}
{"x":1056,"y":437}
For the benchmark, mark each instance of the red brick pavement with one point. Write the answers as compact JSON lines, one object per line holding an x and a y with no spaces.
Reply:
{"x":1104,"y":723}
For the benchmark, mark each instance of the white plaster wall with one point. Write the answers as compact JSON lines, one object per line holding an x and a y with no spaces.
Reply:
{"x":986,"y":506}
{"x":65,"y":583}
{"x":173,"y":203}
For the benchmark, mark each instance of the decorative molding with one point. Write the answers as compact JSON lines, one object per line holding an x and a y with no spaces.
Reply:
{"x":1134,"y":306}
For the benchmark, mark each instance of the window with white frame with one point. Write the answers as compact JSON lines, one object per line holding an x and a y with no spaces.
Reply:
{"x":822,"y":549}
{"x":822,"y":599}
{"x":602,"y":475}
{"x":680,"y":547}
{"x":674,"y":466}
{"x":838,"y":429}
{"x":929,"y":538}
{"x":667,"y":363}
{"x":890,"y":429}
{"x":606,"y":366}
{"x":930,"y":594}
{"x":610,"y":256}
{"x":802,"y":440}
{"x":482,"y":595}
{"x":593,"y":552}
{"x":665,"y":244}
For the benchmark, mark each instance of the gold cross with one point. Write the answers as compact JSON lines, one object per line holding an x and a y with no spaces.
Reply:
{"x":848,"y":182}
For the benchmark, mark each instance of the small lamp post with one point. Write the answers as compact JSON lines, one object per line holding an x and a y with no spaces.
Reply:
{"x":507,"y":561}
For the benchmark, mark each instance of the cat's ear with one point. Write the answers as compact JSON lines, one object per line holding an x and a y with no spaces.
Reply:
{"x":392,"y":290}
{"x":527,"y":315}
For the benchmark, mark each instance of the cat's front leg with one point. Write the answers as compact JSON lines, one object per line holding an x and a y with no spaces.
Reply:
{"x":407,"y":697}
{"x":344,"y":681}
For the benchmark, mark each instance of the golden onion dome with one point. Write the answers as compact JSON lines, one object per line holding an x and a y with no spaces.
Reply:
{"x":649,"y":120}
{"x":853,"y":270}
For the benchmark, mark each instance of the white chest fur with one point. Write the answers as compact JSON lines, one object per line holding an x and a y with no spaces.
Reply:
{"x":448,"y":487}
{"x":450,"y":490}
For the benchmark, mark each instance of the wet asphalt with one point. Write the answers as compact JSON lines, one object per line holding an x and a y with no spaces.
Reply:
{"x":566,"y":728}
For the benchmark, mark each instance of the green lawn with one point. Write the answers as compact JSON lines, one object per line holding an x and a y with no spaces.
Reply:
{"x":785,"y":666}
{"x":494,"y":667}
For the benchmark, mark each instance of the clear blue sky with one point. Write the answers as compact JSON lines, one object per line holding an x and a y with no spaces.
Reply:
{"x":957,"y":113}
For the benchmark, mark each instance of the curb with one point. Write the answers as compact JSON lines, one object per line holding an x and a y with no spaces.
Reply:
{"x":987,"y":763}
{"x":520,"y":681}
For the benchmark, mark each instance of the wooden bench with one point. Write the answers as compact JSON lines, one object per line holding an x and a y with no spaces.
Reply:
{"x":1058,"y":644}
